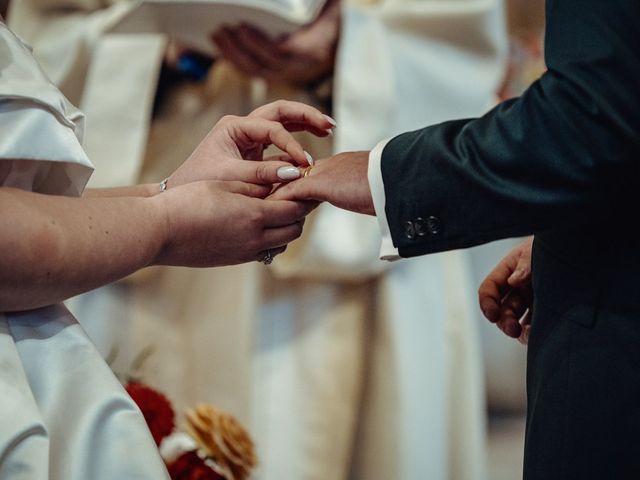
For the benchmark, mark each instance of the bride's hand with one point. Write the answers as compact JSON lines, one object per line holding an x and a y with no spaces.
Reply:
{"x":211,"y":224}
{"x":233,"y":149}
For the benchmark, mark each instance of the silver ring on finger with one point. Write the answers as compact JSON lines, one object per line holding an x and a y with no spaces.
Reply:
{"x":267,"y":258}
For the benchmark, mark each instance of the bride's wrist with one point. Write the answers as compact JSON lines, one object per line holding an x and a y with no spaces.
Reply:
{"x":159,"y":209}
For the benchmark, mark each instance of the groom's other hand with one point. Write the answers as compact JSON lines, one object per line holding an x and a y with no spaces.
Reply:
{"x":340,"y":180}
{"x":505,"y":295}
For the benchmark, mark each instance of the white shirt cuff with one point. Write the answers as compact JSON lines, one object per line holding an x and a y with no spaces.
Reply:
{"x":387,"y":250}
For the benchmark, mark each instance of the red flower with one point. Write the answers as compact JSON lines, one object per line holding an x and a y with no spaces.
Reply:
{"x":189,"y":466}
{"x":156,"y":409}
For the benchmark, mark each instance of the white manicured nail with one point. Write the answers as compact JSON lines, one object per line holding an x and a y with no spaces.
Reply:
{"x":309,"y":157}
{"x":330,"y":120}
{"x":329,"y":132}
{"x":288,"y":173}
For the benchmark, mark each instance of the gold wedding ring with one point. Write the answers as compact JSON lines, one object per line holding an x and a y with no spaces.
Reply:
{"x":307,"y":171}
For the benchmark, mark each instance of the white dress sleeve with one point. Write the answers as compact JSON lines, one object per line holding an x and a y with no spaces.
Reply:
{"x":40,"y":146}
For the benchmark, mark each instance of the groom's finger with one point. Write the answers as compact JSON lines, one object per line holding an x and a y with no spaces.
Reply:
{"x":521,"y":275}
{"x":518,"y":301}
{"x":494,"y":288}
{"x":514,"y":307}
{"x":304,"y":189}
{"x":509,"y":323}
{"x":526,"y":328}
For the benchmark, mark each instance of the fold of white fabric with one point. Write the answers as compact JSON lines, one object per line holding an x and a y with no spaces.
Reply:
{"x":38,"y":124}
{"x":78,"y":419}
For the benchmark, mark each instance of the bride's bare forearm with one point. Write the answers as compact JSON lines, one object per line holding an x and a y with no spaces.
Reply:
{"x":55,"y":247}
{"x":145,"y":190}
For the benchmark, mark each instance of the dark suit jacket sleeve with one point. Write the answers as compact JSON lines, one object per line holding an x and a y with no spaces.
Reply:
{"x":564,"y":152}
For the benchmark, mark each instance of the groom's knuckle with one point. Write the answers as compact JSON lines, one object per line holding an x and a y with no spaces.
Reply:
{"x":485,"y":292}
{"x":258,"y":111}
{"x":280,"y":105}
{"x":228,"y":119}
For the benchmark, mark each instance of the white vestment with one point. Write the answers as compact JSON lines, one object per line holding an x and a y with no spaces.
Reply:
{"x":64,"y":414}
{"x":341,"y":365}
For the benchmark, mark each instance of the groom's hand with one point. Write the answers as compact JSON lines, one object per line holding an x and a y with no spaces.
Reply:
{"x":506,"y":296}
{"x":340,"y":180}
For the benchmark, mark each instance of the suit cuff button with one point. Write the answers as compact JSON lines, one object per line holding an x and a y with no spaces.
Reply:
{"x":434,"y":225}
{"x":409,"y":230}
{"x":420,"y":227}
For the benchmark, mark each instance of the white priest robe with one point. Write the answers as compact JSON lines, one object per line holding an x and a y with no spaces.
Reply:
{"x":342,"y":366}
{"x":64,"y":414}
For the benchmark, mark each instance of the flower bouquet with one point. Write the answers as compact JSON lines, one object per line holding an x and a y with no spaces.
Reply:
{"x":212,"y":445}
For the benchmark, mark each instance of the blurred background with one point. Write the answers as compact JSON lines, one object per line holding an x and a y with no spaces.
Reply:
{"x":341,"y":366}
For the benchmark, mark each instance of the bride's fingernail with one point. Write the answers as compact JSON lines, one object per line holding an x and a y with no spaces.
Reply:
{"x":309,"y":157}
{"x":329,"y":132}
{"x":288,"y":173}
{"x":330,"y":120}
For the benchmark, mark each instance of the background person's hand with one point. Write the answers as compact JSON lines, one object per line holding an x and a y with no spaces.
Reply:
{"x":233,"y":149}
{"x":506,"y":296}
{"x":212,"y":224}
{"x":302,"y":57}
{"x":340,"y":180}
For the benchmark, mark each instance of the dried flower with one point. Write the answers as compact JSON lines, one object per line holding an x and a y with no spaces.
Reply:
{"x":189,"y":466}
{"x":223,"y":439}
{"x":156,"y":409}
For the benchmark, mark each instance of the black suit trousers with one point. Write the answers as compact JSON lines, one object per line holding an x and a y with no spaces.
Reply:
{"x":583,"y":377}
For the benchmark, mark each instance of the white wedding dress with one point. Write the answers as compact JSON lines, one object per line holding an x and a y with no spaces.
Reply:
{"x":64,"y":414}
